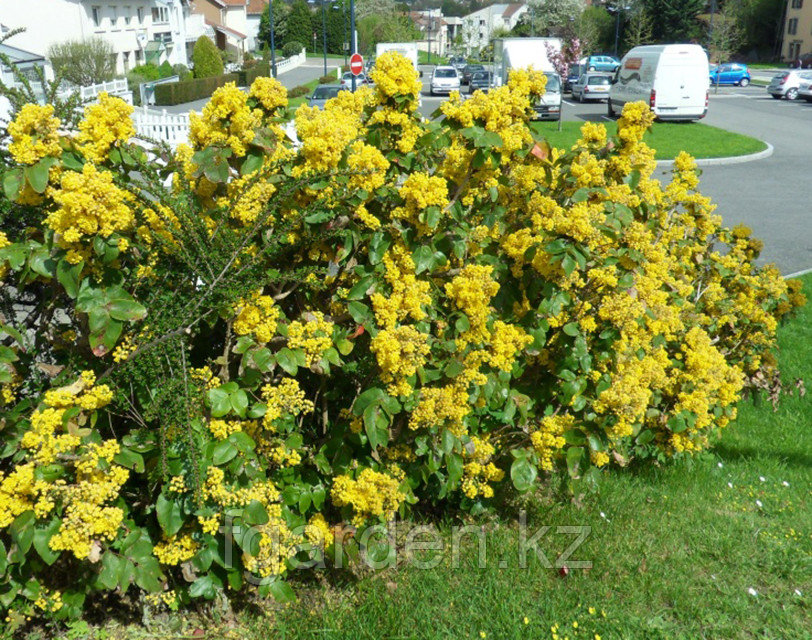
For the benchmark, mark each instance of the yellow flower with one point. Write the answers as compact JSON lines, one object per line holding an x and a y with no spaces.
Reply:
{"x":106,"y":123}
{"x":34,"y":134}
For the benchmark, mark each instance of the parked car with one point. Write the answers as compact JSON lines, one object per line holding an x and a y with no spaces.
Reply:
{"x":548,"y":106}
{"x":803,"y":62}
{"x":572,"y":76}
{"x":730,"y":73}
{"x":444,"y":80}
{"x":480,"y":80}
{"x":805,"y":90}
{"x":361,"y":80}
{"x":468,"y":70}
{"x":323,"y":93}
{"x":458,"y":62}
{"x":786,"y":84}
{"x":602,"y":63}
{"x":591,"y":86}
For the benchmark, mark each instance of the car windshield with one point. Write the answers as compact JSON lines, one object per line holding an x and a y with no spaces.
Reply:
{"x":475,"y":67}
{"x":553,"y":84}
{"x":445,"y":73}
{"x":598,"y":80}
{"x":324,"y":93}
{"x":481,"y":75}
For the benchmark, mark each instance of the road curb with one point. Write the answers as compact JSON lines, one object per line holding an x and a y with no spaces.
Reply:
{"x":711,"y":162}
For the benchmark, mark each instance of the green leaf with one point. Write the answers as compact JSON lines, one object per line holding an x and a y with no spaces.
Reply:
{"x":223,"y":452}
{"x":359,"y":312}
{"x":42,"y":535}
{"x":68,"y":276}
{"x":523,"y":474}
{"x":220,"y":402}
{"x":645,"y":436}
{"x":170,"y":515}
{"x":423,"y":258}
{"x":22,"y":530}
{"x":255,"y":513}
{"x":130,"y":460}
{"x":13,"y":183}
{"x":239,"y":402}
{"x":281,"y":591}
{"x":376,"y":426}
{"x":286,"y":359}
{"x":374,"y":395}
{"x":111,"y":567}
{"x":127,"y":310}
{"x":148,"y":575}
{"x":253,"y":162}
{"x":574,"y":457}
{"x":37,"y":174}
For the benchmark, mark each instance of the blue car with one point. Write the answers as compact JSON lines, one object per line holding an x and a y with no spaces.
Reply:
{"x":730,"y":73}
{"x":601,"y":63}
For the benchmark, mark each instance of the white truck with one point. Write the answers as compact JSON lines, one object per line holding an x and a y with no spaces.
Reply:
{"x":518,"y":53}
{"x":673,"y":79}
{"x":406,"y":49}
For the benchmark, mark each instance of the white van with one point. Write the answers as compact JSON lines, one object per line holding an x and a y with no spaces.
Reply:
{"x":518,"y":53}
{"x":673,"y":79}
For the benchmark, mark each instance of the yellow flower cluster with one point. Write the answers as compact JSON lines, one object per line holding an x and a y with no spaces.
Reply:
{"x":409,"y":295}
{"x":326,"y":134}
{"x":284,"y":457}
{"x":270,"y":94}
{"x":506,"y":342}
{"x":419,"y":192}
{"x":314,"y":336}
{"x":285,"y":398}
{"x":471,"y":291}
{"x":106,"y":123}
{"x":371,"y":495}
{"x":248,"y":196}
{"x":89,"y":203}
{"x":226,"y":120}
{"x":177,"y":550}
{"x":367,"y":167}
{"x":441,"y":406}
{"x":34,"y":134}
{"x":257,"y":317}
{"x":400,"y":353}
{"x":480,"y":471}
{"x":319,"y":533}
{"x":548,"y":439}
{"x":221,"y":429}
{"x":395,"y":76}
{"x":205,"y":377}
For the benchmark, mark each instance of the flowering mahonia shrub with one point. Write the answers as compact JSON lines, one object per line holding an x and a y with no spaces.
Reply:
{"x":217,"y":359}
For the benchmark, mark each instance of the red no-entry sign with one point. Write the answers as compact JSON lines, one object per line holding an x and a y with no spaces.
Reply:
{"x":356,"y":64}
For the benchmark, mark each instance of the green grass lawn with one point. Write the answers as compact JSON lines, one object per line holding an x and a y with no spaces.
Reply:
{"x":667,"y":138}
{"x":294,"y":103}
{"x":715,"y":547}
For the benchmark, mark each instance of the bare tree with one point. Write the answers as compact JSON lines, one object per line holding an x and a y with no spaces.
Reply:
{"x":724,"y":35}
{"x":83,"y":62}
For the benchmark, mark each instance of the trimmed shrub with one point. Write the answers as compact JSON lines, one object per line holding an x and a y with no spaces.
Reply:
{"x":83,"y":62}
{"x":258,"y":70}
{"x":299,"y":91}
{"x":206,"y":59}
{"x":245,"y":350}
{"x":182,"y":71}
{"x":145,"y":72}
{"x":189,"y":90}
{"x":330,"y":78}
{"x":166,"y":69}
{"x":292,"y":49}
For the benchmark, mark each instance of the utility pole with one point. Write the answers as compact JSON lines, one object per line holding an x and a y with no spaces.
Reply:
{"x":273,"y":42}
{"x":353,"y":41}
{"x":324,"y":35}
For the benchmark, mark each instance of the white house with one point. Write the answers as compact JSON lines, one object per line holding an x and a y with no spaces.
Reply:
{"x":224,"y":21}
{"x":478,"y":27}
{"x":139,"y":30}
{"x":434,"y":30}
{"x":255,"y":10}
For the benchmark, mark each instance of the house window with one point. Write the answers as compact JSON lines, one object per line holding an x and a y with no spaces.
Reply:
{"x":95,"y":12}
{"x":114,"y":17}
{"x":139,"y":13}
{"x":797,"y":4}
{"x":160,"y":15}
{"x":792,"y":26}
{"x":137,"y":57}
{"x":128,"y":15}
{"x":125,"y":58}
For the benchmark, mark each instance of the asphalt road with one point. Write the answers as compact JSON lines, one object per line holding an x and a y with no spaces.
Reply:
{"x":766,"y":195}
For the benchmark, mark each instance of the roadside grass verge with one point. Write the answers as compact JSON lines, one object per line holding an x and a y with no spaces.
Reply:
{"x":294,"y":103}
{"x":667,"y":139}
{"x":714,"y":547}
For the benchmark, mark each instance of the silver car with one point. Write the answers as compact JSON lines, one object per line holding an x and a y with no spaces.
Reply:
{"x":591,"y":86}
{"x":323,"y":93}
{"x":787,"y":83}
{"x":805,"y":90}
{"x":444,"y":80}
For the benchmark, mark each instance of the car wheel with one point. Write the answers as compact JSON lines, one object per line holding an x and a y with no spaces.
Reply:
{"x":591,"y":68}
{"x":775,"y":97}
{"x":609,"y":110}
{"x":792,"y":94}
{"x":744,"y":82}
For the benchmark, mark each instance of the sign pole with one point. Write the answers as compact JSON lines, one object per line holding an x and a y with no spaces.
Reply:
{"x":273,"y":43}
{"x":353,"y":42}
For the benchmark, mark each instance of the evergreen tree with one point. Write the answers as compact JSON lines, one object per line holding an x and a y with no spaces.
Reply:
{"x":280,"y":24}
{"x":300,"y":24}
{"x":207,"y":59}
{"x":675,"y":20}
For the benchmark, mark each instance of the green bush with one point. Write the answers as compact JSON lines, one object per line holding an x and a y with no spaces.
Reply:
{"x":181,"y":70}
{"x":166,"y":70}
{"x":146,"y":72}
{"x":83,"y":62}
{"x":299,"y":91}
{"x":257,"y":70}
{"x":189,"y":90}
{"x":206,"y":58}
{"x":292,"y":49}
{"x":330,"y":78}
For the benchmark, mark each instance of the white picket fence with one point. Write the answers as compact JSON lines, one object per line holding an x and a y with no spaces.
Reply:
{"x":161,"y":125}
{"x":286,"y":64}
{"x":117,"y":87}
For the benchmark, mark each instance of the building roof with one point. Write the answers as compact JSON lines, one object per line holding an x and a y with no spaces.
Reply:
{"x":20,"y":56}
{"x":226,"y":30}
{"x":235,"y":3}
{"x":511,"y":9}
{"x":256,"y":7}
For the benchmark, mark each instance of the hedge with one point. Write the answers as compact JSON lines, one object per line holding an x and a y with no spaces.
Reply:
{"x":180,"y":92}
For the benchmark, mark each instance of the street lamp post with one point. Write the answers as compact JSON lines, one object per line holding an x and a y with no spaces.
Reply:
{"x":617,"y":28}
{"x":353,"y":40}
{"x":273,"y":42}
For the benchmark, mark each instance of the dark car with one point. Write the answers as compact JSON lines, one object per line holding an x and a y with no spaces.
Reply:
{"x":468,"y":70}
{"x":480,"y":80}
{"x":803,"y":62}
{"x":458,"y":62}
{"x":323,"y":93}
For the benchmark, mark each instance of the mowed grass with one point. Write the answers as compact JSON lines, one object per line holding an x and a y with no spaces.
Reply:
{"x":714,"y":547}
{"x":666,"y":138}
